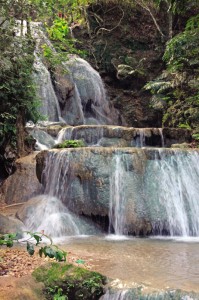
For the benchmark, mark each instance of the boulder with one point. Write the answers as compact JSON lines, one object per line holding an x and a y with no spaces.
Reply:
{"x":23,"y":184}
{"x":10,"y":224}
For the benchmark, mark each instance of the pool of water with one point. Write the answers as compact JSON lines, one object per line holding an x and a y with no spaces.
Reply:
{"x":155,"y":263}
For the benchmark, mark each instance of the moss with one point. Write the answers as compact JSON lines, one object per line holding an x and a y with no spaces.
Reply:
{"x":70,"y":282}
{"x":70,"y":144}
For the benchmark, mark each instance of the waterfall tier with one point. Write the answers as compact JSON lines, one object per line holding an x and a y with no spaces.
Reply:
{"x":140,"y":191}
{"x":113,"y":136}
{"x":108,"y":135}
{"x":76,"y":94}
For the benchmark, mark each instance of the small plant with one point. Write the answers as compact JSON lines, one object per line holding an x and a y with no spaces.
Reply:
{"x":70,"y":144}
{"x":195,"y":136}
{"x":185,"y":126}
{"x":34,"y":239}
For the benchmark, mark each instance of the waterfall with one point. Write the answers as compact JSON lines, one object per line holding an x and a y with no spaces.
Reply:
{"x":56,"y":175}
{"x":119,"y":295}
{"x":172,"y":192}
{"x":77,"y":94}
{"x":114,"y":136}
{"x":50,"y":106}
{"x":87,"y":102}
{"x":117,"y":197}
{"x":148,"y":137}
{"x":140,"y":140}
{"x":49,"y":215}
{"x":141,"y":191}
{"x":162,"y":136}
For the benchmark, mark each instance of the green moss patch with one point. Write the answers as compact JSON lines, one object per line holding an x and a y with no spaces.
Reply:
{"x":70,"y":144}
{"x":65,"y":282}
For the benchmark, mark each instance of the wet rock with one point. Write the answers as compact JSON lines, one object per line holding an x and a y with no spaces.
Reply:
{"x":42,"y":137}
{"x":87,"y":182}
{"x":113,"y":142}
{"x":176,"y":136}
{"x":181,"y":146}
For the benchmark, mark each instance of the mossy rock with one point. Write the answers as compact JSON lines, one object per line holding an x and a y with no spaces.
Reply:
{"x":70,"y":144}
{"x":70,"y":282}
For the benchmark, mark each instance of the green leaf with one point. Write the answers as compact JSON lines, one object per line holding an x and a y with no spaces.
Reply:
{"x":80,"y":261}
{"x":12,"y":235}
{"x":37,"y":238}
{"x":30,"y":248}
{"x":9,"y":243}
{"x":48,"y":251}
{"x":59,"y":255}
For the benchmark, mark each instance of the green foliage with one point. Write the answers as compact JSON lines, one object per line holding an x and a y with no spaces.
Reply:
{"x":34,"y":239}
{"x":179,"y":82}
{"x":70,"y":281}
{"x":70,"y":144}
{"x":59,"y":30}
{"x":195,"y":136}
{"x":17,"y":89}
{"x":185,"y":126}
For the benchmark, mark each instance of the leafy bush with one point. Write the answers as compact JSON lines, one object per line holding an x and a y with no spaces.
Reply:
{"x":70,"y":144}
{"x":195,"y":136}
{"x":34,"y":239}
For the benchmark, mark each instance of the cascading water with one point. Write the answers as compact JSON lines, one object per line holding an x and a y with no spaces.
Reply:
{"x":115,"y":136}
{"x":49,"y":215}
{"x":171,"y":183}
{"x":50,"y":106}
{"x":118,"y":295}
{"x":56,"y":175}
{"x":117,"y":197}
{"x":88,"y":93}
{"x":144,"y":136}
{"x":57,"y":179}
{"x":143,"y":191}
{"x":77,"y":95}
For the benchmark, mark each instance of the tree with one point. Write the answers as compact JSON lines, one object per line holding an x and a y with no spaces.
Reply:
{"x":17,"y":91}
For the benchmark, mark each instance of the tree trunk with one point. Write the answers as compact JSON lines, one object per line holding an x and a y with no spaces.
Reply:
{"x":20,"y":134}
{"x":170,"y":24}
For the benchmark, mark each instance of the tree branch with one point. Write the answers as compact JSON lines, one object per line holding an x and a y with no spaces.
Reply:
{"x":109,"y":30}
{"x":144,"y":6}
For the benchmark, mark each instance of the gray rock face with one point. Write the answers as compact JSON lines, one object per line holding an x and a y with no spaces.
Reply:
{"x":43,"y":138}
{"x":141,"y":191}
{"x":23,"y":184}
{"x":10,"y":225}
